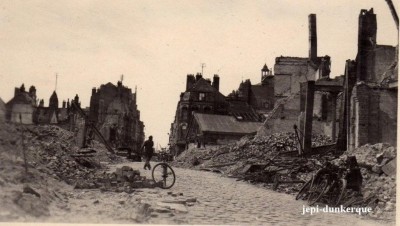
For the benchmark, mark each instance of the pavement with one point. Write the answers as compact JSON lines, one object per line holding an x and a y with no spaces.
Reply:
{"x":198,"y":197}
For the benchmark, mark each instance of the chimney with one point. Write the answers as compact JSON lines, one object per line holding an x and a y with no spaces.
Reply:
{"x":190,"y":80}
{"x":215,"y":83}
{"x":198,"y":76}
{"x":93,"y":91}
{"x":63,"y":104}
{"x":312,"y":37}
{"x":208,"y":81}
{"x":367,"y":27}
{"x":16,"y":91}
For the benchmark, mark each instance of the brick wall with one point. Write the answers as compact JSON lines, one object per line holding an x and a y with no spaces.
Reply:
{"x":383,"y":58}
{"x":373,"y":116}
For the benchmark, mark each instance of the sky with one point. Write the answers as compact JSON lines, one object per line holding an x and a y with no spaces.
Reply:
{"x":155,"y":44}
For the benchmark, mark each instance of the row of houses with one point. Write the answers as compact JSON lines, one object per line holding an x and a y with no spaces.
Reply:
{"x":355,"y":108}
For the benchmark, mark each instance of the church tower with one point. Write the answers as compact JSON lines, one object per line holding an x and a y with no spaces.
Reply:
{"x":53,"y":101}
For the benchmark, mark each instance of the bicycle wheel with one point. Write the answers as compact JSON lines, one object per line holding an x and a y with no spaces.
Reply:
{"x":343,"y":187}
{"x":317,"y":191}
{"x":163,"y":175}
{"x":304,"y":190}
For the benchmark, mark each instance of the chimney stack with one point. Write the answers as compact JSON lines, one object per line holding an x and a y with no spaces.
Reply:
{"x":190,"y":81}
{"x":312,"y":37}
{"x":215,"y":83}
{"x":198,"y":76}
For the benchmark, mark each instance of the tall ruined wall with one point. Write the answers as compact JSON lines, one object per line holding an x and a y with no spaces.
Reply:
{"x":373,"y":116}
{"x":388,"y":115}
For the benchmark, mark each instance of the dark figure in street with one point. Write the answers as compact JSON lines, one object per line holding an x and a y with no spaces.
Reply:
{"x":148,"y":151}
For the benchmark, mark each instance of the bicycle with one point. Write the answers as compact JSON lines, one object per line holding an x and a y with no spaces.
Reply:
{"x":331,"y":182}
{"x":163,"y":174}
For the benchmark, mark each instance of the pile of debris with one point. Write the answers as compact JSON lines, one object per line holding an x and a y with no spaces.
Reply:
{"x":124,"y":179}
{"x":268,"y":159}
{"x":53,"y":151}
{"x":378,"y":168}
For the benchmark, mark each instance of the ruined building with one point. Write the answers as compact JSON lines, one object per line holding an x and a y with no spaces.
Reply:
{"x":259,"y":96}
{"x":369,"y":110}
{"x":289,"y":73}
{"x":51,"y":114}
{"x":114,"y":112}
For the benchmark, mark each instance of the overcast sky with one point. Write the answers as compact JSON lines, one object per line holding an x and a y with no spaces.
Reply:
{"x":155,"y":44}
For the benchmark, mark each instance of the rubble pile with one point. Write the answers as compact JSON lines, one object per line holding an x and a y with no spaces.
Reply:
{"x":52,"y":150}
{"x":268,"y":159}
{"x":263,"y":148}
{"x":379,"y":182}
{"x":124,"y":179}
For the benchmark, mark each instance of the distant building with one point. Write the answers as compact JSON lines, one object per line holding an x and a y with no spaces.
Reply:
{"x":114,"y":112}
{"x":21,"y":107}
{"x":245,"y":106}
{"x":259,"y":97}
{"x":51,"y":114}
{"x":200,"y":96}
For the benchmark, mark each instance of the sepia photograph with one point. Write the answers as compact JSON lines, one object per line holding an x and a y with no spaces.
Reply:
{"x":198,"y":112}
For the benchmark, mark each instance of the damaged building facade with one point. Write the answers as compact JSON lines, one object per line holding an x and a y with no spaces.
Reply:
{"x":354,"y":109}
{"x":289,"y":73}
{"x":113,"y":110}
{"x":370,"y":104}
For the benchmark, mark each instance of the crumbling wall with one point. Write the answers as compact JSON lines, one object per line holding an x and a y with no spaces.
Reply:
{"x":373,"y":116}
{"x":282,"y":117}
{"x":290,"y":72}
{"x":388,"y":116}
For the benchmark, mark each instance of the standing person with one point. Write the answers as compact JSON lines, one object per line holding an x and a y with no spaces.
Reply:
{"x":148,"y":151}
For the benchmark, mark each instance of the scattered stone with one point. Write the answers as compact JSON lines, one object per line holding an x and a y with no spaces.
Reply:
{"x":96,"y":202}
{"x":191,"y":200}
{"x":174,"y":206}
{"x":28,"y":189}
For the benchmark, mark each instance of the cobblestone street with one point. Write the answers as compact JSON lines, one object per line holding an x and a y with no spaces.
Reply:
{"x":218,"y":200}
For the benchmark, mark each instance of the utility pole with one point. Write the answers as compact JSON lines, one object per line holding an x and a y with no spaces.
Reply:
{"x":55,"y":88}
{"x":122,"y":78}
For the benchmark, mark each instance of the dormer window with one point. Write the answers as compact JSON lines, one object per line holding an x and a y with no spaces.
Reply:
{"x":202,"y":96}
